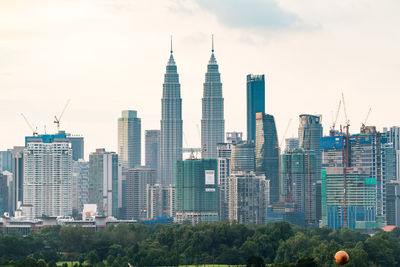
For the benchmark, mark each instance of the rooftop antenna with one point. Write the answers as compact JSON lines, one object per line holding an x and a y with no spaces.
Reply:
{"x":212,"y":43}
{"x":171,"y":45}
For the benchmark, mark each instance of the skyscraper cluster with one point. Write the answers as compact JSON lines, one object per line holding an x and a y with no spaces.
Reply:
{"x":340,"y":180}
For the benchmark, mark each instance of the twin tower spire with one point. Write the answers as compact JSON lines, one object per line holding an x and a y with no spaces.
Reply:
{"x":212,"y":122}
{"x":212,"y":44}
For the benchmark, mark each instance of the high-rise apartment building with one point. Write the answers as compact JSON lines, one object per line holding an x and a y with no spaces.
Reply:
{"x":242,"y":157}
{"x":80,"y":184}
{"x":196,"y":191}
{"x":137,"y":180}
{"x":4,"y":194}
{"x":255,"y":102}
{"x":47,"y":175}
{"x":171,"y":124}
{"x":248,"y":197}
{"x":160,"y":201}
{"x":129,"y":139}
{"x":393,"y":135}
{"x":224,"y":162}
{"x":393,"y":203}
{"x":152,"y":150}
{"x":267,"y":152}
{"x":104,"y":179}
{"x":297,"y":176}
{"x":18,"y":175}
{"x":212,"y":122}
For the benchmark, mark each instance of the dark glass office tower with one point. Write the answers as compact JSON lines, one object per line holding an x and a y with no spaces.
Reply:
{"x":255,"y":102}
{"x":267,"y":152}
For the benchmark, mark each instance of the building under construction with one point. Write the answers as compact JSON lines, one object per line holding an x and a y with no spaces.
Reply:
{"x":356,"y":169}
{"x":354,"y":207}
{"x":196,"y":190}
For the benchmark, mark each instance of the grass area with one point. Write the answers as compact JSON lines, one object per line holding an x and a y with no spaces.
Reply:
{"x":70,"y":263}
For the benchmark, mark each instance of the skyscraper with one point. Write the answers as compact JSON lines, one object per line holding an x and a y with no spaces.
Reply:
{"x":80,"y":184}
{"x":129,"y":139}
{"x":48,"y":175}
{"x":255,"y":102}
{"x":248,"y":197}
{"x":267,"y":152}
{"x":137,"y":180}
{"x":297,"y":174}
{"x":354,"y":207}
{"x":310,"y":133}
{"x":196,"y":191}
{"x":18,"y":175}
{"x":104,"y":176}
{"x":78,"y":146}
{"x":6,"y":160}
{"x":171,"y":123}
{"x":152,"y":150}
{"x":242,"y":157}
{"x":212,"y":122}
{"x":160,"y":201}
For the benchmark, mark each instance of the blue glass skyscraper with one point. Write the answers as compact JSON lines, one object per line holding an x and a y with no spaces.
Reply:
{"x":255,"y":102}
{"x":171,"y":123}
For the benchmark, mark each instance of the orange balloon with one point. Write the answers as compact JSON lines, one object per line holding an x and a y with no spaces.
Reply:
{"x":341,"y":257}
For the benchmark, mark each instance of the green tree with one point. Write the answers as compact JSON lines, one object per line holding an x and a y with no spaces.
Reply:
{"x":92,"y":257}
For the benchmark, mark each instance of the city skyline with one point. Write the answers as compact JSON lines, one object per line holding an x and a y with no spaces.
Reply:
{"x":322,"y":59}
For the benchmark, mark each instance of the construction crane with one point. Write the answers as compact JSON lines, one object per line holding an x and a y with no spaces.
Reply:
{"x":345,"y":149}
{"x":332,"y":131}
{"x":363,"y":125}
{"x":57,"y":120}
{"x":279,"y":153}
{"x":34,"y":131}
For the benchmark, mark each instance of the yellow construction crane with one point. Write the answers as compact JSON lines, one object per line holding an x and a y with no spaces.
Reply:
{"x":363,"y":125}
{"x":57,"y":120}
{"x":347,"y":122}
{"x":34,"y":131}
{"x":332,"y":131}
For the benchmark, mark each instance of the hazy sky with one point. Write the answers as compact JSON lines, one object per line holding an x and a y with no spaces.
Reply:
{"x":110,"y":55}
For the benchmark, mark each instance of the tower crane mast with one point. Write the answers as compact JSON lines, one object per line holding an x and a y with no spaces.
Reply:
{"x":57,"y":120}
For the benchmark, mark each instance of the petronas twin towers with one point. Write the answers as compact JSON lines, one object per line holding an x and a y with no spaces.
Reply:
{"x":212,"y":123}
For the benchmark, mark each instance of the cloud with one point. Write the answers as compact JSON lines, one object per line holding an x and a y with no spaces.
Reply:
{"x":251,"y":14}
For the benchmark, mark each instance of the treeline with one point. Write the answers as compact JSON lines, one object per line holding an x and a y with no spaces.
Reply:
{"x":278,"y":244}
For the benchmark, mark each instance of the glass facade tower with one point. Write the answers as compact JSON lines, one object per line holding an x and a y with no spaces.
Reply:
{"x":129,"y":139}
{"x":171,"y":124}
{"x":310,"y":133}
{"x":255,"y":102}
{"x":212,"y":122}
{"x":267,"y":152}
